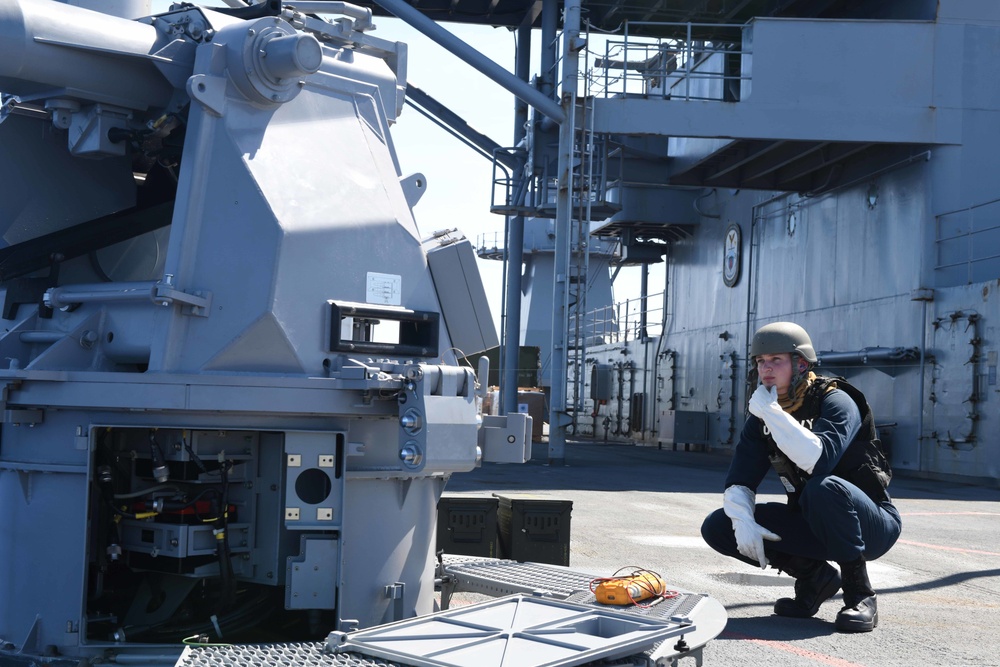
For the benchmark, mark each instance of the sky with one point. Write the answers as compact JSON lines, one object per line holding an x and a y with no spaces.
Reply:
{"x":458,"y":179}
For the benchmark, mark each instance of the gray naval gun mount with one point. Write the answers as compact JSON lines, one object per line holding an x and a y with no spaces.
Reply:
{"x":231,"y":397}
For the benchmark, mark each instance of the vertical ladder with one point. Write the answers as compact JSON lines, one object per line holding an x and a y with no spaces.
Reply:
{"x":559,"y":402}
{"x":584,"y":184}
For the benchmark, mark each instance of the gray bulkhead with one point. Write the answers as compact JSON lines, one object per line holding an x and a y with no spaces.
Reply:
{"x":891,"y":263}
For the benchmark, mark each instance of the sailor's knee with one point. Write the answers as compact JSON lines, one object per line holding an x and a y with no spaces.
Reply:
{"x":819,"y":491}
{"x":715,"y":527}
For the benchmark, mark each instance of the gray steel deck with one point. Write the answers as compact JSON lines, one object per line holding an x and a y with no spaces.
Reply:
{"x":939,"y":588}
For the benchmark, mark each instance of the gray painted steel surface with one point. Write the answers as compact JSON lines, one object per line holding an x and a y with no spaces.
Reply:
{"x":229,"y":413}
{"x":858,"y":171}
{"x":513,"y":631}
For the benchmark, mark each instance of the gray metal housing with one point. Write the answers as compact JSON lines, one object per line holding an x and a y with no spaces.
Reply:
{"x":229,"y":393}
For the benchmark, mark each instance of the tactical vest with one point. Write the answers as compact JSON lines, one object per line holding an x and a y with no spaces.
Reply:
{"x":864,"y":463}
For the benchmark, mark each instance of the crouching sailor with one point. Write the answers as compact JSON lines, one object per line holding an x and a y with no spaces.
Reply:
{"x":819,"y":435}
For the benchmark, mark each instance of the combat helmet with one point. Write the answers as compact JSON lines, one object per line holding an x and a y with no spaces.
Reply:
{"x":780,"y":337}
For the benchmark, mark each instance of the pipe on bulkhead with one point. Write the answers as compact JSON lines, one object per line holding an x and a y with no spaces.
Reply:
{"x":643,"y":296}
{"x":620,"y":367}
{"x":550,"y":46}
{"x":514,"y":244}
{"x":484,"y":65}
{"x":973,"y":319}
{"x":734,"y":387}
{"x":869,"y":356}
{"x":41,"y":337}
{"x":660,"y":356}
{"x":920,"y":406}
{"x":72,"y":295}
{"x":631,"y":395}
{"x":654,"y":376}
{"x":362,"y":15}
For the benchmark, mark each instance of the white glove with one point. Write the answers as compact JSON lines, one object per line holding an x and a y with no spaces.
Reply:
{"x":738,"y":503}
{"x":797,"y":442}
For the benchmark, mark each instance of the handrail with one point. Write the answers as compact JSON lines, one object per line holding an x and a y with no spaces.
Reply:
{"x":669,"y":68}
{"x":620,"y":322}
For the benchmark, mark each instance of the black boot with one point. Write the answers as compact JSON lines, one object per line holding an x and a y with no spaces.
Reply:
{"x":860,"y":612}
{"x":816,"y":581}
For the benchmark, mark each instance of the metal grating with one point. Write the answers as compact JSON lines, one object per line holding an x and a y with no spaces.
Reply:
{"x":309,"y":654}
{"x":505,"y":577}
{"x":495,"y":577}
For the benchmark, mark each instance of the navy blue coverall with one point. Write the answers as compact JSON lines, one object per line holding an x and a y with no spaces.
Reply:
{"x":834,"y":521}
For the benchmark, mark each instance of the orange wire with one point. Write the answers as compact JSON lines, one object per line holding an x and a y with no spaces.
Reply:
{"x":644,"y":584}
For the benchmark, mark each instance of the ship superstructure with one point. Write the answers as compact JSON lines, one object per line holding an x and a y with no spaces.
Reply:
{"x":823,"y":162}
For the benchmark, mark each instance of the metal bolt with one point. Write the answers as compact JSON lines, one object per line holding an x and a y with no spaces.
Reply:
{"x":88,"y":339}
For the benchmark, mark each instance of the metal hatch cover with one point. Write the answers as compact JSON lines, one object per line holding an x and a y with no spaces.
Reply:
{"x":514,"y":631}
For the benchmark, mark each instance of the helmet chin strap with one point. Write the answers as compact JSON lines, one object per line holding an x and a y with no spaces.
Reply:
{"x":753,"y":379}
{"x":799,"y":375}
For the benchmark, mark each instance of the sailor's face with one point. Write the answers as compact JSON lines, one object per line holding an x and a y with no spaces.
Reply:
{"x":775,"y":370}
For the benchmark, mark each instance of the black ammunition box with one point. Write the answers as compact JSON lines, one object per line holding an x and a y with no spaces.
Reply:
{"x":534,"y":528}
{"x":467,"y":526}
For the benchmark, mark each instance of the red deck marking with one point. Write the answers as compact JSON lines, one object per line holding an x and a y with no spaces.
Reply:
{"x":943,"y":548}
{"x":795,"y":650}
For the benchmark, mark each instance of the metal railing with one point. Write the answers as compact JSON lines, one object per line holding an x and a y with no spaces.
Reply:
{"x":672,"y":68}
{"x":509,"y":190}
{"x":513,"y":195}
{"x":623,"y":321}
{"x":966,"y":244}
{"x":676,"y":68}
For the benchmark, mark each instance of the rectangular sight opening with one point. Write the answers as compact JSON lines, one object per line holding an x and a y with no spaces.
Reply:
{"x":388,"y":330}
